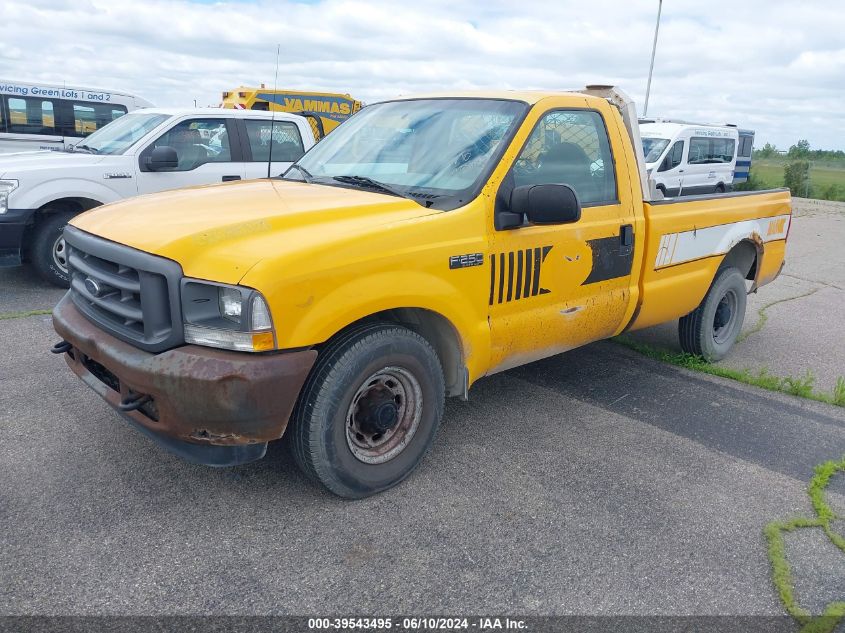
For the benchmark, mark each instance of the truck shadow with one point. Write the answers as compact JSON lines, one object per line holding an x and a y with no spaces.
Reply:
{"x":612,"y":379}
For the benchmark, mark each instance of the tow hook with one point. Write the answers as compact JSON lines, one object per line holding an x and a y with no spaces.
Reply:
{"x":133,"y":402}
{"x":62,"y":347}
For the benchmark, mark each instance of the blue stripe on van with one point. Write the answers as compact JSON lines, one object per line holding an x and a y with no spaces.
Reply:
{"x":740,"y":175}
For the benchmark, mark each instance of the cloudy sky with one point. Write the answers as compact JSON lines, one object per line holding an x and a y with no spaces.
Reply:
{"x":775,"y":66}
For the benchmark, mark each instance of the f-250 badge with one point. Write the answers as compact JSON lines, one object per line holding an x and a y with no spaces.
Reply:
{"x":465,"y":261}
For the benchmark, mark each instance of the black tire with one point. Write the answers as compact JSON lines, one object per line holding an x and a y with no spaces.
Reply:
{"x":47,"y":250}
{"x":713,"y":327}
{"x":720,"y":188}
{"x":332,"y":427}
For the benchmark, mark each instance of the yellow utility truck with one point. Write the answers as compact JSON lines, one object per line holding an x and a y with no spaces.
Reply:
{"x":324,"y":110}
{"x":429,"y":242}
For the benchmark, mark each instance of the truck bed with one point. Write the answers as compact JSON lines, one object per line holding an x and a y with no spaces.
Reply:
{"x":682,"y":254}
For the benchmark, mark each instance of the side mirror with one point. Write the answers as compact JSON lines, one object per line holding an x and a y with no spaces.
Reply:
{"x":163,"y":158}
{"x":546,"y":204}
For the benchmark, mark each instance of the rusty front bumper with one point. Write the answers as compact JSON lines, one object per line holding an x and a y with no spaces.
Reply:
{"x":210,"y":406}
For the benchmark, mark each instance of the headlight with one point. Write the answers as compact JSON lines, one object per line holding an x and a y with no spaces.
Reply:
{"x":6,"y":187}
{"x":230,"y":317}
{"x":231,"y":304}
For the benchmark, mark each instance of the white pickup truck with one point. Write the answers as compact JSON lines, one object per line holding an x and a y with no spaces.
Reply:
{"x":149,"y":150}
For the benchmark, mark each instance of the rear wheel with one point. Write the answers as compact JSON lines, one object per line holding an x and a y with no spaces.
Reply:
{"x":720,"y":188}
{"x":49,"y":251}
{"x":369,"y":410}
{"x":713,"y":327}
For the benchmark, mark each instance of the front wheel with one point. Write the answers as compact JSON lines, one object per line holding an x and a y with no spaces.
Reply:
{"x":369,"y":410}
{"x":713,"y":327}
{"x":49,"y":251}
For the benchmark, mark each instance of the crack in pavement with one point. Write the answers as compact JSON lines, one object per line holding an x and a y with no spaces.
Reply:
{"x":782,"y":578}
{"x":762,"y":317}
{"x":814,"y":281}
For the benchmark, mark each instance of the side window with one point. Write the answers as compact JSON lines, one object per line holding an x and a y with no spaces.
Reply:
{"x":673,"y":158}
{"x":31,"y":116}
{"x":198,"y":141}
{"x":287,"y":142}
{"x":699,"y":150}
{"x":2,"y":116}
{"x":710,"y":150}
{"x":90,"y":117}
{"x":570,"y":147}
{"x":723,"y":149}
{"x":746,"y":143}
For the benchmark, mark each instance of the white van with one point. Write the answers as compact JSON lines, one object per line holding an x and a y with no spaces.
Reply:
{"x":145,"y":151}
{"x":38,"y":116}
{"x":687,"y":158}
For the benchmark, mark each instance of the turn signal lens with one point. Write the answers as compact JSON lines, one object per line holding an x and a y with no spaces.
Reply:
{"x":260,"y":314}
{"x":230,"y":339}
{"x":263,"y":342}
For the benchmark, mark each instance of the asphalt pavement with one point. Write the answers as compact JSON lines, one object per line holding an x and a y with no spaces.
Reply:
{"x":597,"y":482}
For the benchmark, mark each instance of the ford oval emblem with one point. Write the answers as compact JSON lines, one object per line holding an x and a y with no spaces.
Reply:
{"x":92,"y":286}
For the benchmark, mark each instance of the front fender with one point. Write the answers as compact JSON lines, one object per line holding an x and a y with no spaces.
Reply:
{"x":52,"y":190}
{"x":316,"y":318}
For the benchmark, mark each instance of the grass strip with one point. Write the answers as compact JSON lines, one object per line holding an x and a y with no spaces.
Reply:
{"x":801,"y":386}
{"x":19,"y":315}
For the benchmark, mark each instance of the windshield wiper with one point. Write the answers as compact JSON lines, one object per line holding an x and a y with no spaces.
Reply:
{"x":86,"y":148}
{"x":372,"y":184}
{"x":306,"y":175}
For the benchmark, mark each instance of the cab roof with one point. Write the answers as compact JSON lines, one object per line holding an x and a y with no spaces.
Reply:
{"x":527,"y":96}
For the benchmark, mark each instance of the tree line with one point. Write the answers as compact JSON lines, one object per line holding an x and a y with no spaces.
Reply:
{"x":799,"y":161}
{"x":801,"y":151}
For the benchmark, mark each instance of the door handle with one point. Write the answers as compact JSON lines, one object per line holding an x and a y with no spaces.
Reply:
{"x":626,"y":239}
{"x":230,"y":178}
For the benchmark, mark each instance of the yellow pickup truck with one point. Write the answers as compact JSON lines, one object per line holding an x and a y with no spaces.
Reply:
{"x":427,"y":242}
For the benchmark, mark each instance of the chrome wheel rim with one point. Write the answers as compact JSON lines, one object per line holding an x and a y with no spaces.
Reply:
{"x":60,"y":254}
{"x":384,"y":415}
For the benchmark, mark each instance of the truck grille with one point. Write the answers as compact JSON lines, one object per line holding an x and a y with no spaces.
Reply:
{"x":131,"y":294}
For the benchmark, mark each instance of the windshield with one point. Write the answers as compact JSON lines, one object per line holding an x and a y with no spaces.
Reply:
{"x":434,"y":150}
{"x":653,"y":148}
{"x":120,"y":134}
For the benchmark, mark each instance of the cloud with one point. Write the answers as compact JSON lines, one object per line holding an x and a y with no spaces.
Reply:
{"x":774,"y":66}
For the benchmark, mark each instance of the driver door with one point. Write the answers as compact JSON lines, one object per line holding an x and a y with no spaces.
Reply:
{"x":557,"y":287}
{"x":206,"y":151}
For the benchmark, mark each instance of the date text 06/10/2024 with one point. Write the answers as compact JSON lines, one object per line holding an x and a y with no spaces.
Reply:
{"x":416,"y":624}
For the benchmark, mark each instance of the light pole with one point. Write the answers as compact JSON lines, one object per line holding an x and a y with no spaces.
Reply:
{"x":653,"y":51}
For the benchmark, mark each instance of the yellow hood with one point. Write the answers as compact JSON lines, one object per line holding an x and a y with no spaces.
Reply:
{"x":220,"y":231}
